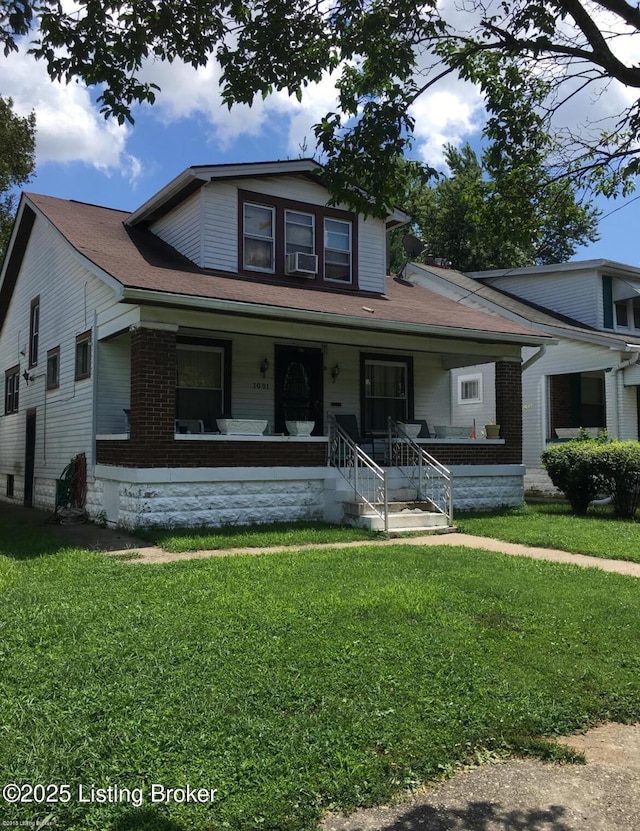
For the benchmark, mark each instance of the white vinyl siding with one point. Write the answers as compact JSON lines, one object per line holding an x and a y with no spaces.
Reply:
{"x":182,"y":228}
{"x":577,"y":295}
{"x":220,"y":225}
{"x":69,"y":294}
{"x":114,"y":383}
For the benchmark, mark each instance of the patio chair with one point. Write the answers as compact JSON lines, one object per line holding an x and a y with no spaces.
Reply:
{"x":189,"y":425}
{"x":349,"y":423}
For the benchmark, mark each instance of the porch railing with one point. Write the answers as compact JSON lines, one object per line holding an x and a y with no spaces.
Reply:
{"x":368,"y":479}
{"x":431,"y":479}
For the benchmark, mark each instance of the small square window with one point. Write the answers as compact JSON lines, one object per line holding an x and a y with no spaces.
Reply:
{"x":470,"y":389}
{"x":83,"y":356}
{"x":53,"y":368}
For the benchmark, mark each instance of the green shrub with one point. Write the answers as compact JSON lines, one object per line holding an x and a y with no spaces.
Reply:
{"x":572,"y":469}
{"x":618,"y":465}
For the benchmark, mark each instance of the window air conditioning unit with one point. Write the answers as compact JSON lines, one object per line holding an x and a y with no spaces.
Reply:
{"x":302,"y":265}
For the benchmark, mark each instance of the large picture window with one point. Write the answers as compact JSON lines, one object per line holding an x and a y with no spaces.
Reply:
{"x":202,"y":383}
{"x":387,"y":392}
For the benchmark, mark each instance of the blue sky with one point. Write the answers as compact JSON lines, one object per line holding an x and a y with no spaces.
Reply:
{"x":81,"y":156}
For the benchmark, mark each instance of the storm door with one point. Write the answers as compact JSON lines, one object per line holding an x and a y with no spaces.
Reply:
{"x":298,"y":387}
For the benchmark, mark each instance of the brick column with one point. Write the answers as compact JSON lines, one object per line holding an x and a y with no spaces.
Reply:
{"x":509,"y":409}
{"x":153,"y":385}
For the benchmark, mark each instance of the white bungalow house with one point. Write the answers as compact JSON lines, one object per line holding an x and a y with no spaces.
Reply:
{"x":179,"y":347}
{"x":590,"y":378}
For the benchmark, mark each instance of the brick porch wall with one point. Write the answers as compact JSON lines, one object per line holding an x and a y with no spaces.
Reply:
{"x":509,"y":409}
{"x":212,"y":454}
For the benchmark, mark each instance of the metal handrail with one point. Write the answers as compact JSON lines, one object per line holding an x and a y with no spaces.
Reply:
{"x":432,"y":480}
{"x":368,"y":479}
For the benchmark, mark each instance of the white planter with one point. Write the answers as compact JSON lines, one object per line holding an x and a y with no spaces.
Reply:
{"x":411,"y":430}
{"x":300,"y":428}
{"x":242,"y":426}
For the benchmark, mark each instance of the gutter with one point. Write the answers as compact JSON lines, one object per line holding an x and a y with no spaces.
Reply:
{"x":145,"y":296}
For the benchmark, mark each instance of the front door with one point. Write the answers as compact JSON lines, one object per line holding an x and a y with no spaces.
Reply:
{"x":29,"y":457}
{"x":298,"y":387}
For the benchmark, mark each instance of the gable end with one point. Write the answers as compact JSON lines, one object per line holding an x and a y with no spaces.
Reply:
{"x":15,"y":260}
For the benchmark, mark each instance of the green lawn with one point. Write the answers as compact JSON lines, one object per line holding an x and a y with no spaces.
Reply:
{"x":295,"y":682}
{"x":253,"y":536}
{"x":554,"y":526}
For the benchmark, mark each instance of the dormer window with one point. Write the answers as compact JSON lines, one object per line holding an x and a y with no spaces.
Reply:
{"x":259,"y":227}
{"x":299,"y":233}
{"x":337,"y":250}
{"x":296,"y":240}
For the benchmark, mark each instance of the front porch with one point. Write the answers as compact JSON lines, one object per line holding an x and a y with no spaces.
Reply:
{"x":171,"y":385}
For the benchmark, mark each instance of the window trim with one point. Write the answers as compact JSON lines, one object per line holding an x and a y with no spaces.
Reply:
{"x":12,"y":399}
{"x":81,"y":339}
{"x":53,"y":353}
{"x":34,"y":331}
{"x":319,"y":213}
{"x":466,"y":379}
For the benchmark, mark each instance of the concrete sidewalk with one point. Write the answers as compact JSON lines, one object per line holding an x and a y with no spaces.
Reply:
{"x":153,"y":554}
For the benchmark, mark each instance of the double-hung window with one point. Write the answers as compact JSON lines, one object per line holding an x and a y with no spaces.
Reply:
{"x":337,"y":250}
{"x":299,"y":234}
{"x":11,"y":390}
{"x":259,"y":237}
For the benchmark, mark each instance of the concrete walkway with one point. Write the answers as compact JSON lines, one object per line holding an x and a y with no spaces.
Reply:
{"x":153,"y":554}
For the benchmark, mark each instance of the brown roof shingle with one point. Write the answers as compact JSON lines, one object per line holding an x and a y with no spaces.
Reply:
{"x":139,"y":260}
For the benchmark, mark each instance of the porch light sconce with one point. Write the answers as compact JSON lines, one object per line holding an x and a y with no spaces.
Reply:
{"x":23,"y":352}
{"x":27,"y":377}
{"x":335,"y":371}
{"x":264,"y":367}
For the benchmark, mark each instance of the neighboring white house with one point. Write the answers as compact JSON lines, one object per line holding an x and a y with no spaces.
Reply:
{"x":234,"y":293}
{"x":590,"y":378}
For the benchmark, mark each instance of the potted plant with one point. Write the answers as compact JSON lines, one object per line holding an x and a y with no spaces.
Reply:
{"x":492,"y":430}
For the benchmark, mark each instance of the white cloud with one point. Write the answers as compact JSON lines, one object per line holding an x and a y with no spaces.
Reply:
{"x":69,"y":127}
{"x":446,"y":116}
{"x":188,"y":93}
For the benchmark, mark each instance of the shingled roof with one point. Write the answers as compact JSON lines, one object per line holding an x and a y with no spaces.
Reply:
{"x":140,"y":262}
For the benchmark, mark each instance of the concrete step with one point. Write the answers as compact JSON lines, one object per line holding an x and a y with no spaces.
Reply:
{"x":403,"y":516}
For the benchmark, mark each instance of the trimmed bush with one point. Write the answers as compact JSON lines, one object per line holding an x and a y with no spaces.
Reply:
{"x":618,"y":465}
{"x":573,"y":469}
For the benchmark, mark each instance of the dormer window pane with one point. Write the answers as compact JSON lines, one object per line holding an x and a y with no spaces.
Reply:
{"x":337,"y":250}
{"x":258,"y":237}
{"x":299,"y":233}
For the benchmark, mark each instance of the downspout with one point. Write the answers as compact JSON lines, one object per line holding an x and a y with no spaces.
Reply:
{"x":534,"y":358}
{"x":615,"y":371}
